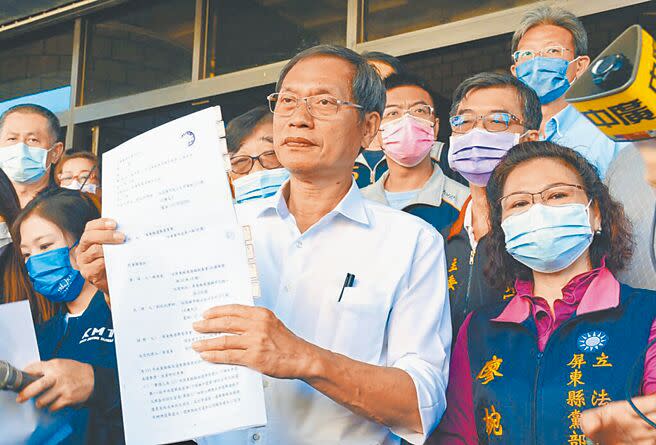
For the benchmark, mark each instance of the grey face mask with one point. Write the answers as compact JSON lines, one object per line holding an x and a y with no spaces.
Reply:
{"x":5,"y":236}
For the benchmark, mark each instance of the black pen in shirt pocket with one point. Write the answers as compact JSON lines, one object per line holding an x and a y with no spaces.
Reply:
{"x":348,"y":282}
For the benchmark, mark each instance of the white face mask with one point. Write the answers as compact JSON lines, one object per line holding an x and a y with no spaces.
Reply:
{"x":75,"y":185}
{"x":5,"y":236}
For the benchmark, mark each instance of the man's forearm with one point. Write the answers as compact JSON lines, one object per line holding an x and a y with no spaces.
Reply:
{"x":261,"y":342}
{"x":383,"y":394}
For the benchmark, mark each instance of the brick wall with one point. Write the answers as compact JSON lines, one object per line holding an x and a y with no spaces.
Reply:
{"x":122,"y":61}
{"x":41,"y":63}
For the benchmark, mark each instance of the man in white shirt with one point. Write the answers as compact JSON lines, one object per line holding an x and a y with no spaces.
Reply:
{"x":360,"y":365}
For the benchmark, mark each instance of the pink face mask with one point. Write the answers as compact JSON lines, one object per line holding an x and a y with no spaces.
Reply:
{"x":407,"y":140}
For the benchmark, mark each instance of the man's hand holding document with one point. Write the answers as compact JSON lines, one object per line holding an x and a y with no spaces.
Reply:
{"x":183,"y":253}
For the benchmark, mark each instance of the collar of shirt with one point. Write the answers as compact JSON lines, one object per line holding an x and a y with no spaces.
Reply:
{"x":401,"y":200}
{"x":468,"y":224}
{"x":96,"y":303}
{"x":458,"y":226}
{"x":351,"y":206}
{"x":373,"y":157}
{"x":591,"y":291}
{"x":561,"y":122}
{"x":362,"y":160}
{"x":571,"y":129}
{"x":431,"y":193}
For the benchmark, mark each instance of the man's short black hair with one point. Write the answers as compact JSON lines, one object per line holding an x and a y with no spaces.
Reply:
{"x":410,"y":80}
{"x":527,"y":97}
{"x":243,"y":125}
{"x":53,"y":121}
{"x":378,"y":56}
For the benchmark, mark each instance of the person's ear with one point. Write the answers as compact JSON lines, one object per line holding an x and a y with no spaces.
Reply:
{"x":595,"y":217}
{"x":436,"y":128}
{"x":377,"y":142}
{"x":530,"y":136}
{"x":73,"y":257}
{"x":513,"y":69}
{"x":371,"y":126}
{"x":55,"y":154}
{"x":582,"y":64}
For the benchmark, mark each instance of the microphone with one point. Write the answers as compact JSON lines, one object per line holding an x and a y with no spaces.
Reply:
{"x":12,"y":379}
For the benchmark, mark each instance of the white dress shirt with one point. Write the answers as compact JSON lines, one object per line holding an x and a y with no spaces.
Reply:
{"x":468,"y":224}
{"x":396,"y":314}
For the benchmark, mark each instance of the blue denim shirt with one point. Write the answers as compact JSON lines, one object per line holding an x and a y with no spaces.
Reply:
{"x":571,"y":129}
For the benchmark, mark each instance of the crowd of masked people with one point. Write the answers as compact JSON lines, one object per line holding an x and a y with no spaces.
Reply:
{"x":502,"y":284}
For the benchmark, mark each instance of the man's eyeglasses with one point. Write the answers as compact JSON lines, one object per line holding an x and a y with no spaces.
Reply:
{"x":243,"y":164}
{"x":556,"y":195}
{"x":319,"y":106}
{"x":421,"y":111}
{"x":493,"y":122}
{"x":555,"y":52}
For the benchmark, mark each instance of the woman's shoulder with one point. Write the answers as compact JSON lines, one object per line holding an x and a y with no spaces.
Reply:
{"x":637,"y":299}
{"x":627,"y":291}
{"x":50,"y":324}
{"x":98,"y":310}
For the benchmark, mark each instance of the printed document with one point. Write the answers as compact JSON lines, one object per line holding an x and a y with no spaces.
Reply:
{"x":19,"y":348}
{"x":185,"y":253}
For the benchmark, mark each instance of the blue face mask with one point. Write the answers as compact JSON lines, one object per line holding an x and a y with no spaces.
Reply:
{"x":548,"y":238}
{"x":53,"y":276}
{"x":547,"y":76}
{"x":22,"y":163}
{"x":259,"y":184}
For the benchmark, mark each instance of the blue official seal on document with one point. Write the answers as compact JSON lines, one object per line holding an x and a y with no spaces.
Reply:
{"x":189,"y":138}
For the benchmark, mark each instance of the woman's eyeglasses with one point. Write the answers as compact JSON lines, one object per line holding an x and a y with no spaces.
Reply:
{"x":243,"y":164}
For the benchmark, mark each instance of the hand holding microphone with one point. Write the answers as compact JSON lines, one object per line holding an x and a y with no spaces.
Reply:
{"x":62,"y":383}
{"x":12,"y":379}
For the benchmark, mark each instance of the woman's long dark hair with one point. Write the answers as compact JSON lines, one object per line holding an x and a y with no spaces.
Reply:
{"x":614,"y":243}
{"x":14,"y":282}
{"x":70,"y":210}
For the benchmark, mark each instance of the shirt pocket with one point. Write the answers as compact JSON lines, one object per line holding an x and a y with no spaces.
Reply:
{"x":360,"y":322}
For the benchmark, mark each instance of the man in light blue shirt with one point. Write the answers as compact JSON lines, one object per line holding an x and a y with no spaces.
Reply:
{"x":549,"y":52}
{"x":358,"y":361}
{"x":571,"y":129}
